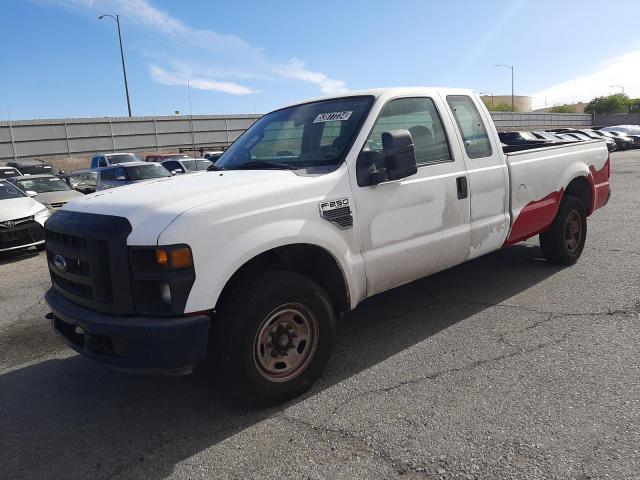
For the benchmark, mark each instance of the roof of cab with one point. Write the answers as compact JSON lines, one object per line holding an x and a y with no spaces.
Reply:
{"x":391,"y":92}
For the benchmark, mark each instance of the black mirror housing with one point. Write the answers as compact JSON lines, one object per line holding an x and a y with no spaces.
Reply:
{"x":399,"y":154}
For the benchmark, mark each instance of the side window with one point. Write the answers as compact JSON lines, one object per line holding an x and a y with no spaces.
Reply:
{"x":474,"y":133}
{"x":102,"y":162}
{"x":420,"y":117}
{"x":170,"y":165}
{"x":107,"y":174}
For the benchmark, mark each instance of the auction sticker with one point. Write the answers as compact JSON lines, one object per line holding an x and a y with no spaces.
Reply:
{"x":332,"y":116}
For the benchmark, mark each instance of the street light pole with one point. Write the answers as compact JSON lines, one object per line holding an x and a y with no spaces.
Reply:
{"x":488,"y":93}
{"x":124,"y":69}
{"x":511,"y":67}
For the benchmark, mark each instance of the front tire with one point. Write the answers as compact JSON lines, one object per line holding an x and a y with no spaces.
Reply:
{"x":274,"y":335}
{"x":563,"y":243}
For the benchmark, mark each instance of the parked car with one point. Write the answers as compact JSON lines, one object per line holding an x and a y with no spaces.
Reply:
{"x":84,"y":181}
{"x":549,"y":136}
{"x":630,"y":129}
{"x":160,"y":157}
{"x":622,"y":143}
{"x":32,"y":167}
{"x":8,"y":172}
{"x":107,"y":159}
{"x":188,"y":165}
{"x":634,"y":138}
{"x":253,"y":263}
{"x":521,"y":138}
{"x":129,"y":173}
{"x":51,"y":191}
{"x":611,"y":144}
{"x":21,"y":219}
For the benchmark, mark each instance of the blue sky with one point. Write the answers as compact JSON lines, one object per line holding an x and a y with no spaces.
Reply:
{"x":58,"y":60}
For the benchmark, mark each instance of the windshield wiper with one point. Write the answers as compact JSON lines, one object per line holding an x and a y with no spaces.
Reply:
{"x":213,"y":168}
{"x":257,"y":164}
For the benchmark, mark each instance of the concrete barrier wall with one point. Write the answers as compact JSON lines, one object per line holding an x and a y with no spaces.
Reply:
{"x":84,"y":136}
{"x":617,"y":119}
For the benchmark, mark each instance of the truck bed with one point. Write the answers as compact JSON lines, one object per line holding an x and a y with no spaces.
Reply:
{"x":539,"y":177}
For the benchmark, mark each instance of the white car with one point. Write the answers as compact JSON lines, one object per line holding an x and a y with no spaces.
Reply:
{"x":21,"y":219}
{"x":316,"y":207}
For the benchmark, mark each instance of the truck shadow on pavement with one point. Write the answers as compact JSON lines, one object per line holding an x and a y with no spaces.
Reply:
{"x":70,"y":418}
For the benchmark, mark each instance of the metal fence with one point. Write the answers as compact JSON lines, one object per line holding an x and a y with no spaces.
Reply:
{"x":534,"y":120}
{"x":83,"y":136}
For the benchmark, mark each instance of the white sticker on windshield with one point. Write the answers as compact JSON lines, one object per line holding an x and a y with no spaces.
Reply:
{"x":332,"y":116}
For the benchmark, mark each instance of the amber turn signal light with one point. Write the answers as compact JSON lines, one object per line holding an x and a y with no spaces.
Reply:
{"x":176,"y":258}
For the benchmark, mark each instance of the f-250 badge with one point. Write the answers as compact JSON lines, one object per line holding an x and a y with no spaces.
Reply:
{"x":337,"y":212}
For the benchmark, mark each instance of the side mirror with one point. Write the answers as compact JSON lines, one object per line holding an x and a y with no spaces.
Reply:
{"x":399,"y":154}
{"x":31,"y":193}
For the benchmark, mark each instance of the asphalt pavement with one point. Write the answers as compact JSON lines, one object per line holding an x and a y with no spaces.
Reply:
{"x":503,"y":367}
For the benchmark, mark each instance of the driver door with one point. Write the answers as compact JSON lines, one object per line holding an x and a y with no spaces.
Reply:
{"x":417,"y":225}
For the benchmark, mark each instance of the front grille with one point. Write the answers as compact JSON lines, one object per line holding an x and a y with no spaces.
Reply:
{"x":24,"y":231}
{"x":88,"y":260}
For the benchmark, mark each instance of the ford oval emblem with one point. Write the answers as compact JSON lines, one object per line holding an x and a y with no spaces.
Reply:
{"x":60,"y":263}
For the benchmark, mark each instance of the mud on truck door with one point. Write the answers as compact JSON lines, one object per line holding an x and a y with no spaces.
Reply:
{"x":420,"y":224}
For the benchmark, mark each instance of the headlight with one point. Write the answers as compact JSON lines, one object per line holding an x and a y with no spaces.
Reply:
{"x":42,"y":215}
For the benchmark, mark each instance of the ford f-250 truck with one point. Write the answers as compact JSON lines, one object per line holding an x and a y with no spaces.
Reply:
{"x":314,"y":208}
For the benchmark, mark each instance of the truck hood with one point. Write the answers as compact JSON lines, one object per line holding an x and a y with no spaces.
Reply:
{"x":150,"y":206}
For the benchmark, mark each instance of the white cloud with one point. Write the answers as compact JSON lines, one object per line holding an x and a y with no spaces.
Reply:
{"x":241,"y":60}
{"x":164,"y":77}
{"x":621,"y":70}
{"x":296,"y":69}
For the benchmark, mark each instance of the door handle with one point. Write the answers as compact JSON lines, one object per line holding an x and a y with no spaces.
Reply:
{"x":463,"y":189}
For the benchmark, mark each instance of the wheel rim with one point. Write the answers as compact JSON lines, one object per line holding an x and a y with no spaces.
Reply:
{"x":285,"y":343}
{"x":572,"y":231}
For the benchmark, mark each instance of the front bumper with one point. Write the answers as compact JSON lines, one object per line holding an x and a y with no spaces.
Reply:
{"x":165,"y":345}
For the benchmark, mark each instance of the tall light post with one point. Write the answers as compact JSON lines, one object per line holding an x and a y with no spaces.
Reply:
{"x":511,"y":67}
{"x":618,"y":86}
{"x":124,"y":70}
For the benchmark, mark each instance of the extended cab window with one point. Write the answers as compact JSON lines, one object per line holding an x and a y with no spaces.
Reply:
{"x":108,"y":174}
{"x":474,"y":134}
{"x":420,"y":117}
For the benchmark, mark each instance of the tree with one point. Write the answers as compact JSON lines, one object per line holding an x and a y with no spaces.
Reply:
{"x":563,"y":109}
{"x":616,"y":103}
{"x":501,"y":107}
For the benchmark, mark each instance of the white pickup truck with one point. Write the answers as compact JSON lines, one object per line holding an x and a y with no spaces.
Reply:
{"x":314,"y":208}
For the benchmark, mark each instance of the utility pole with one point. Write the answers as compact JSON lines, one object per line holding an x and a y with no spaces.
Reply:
{"x":124,"y":70}
{"x":512,"y":95}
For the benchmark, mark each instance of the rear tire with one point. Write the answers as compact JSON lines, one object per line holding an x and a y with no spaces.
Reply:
{"x":563,"y":243}
{"x":273,"y":336}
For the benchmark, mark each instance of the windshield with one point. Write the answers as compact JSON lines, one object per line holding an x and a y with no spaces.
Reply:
{"x":9,"y":172}
{"x":9,"y":191}
{"x":124,"y":158}
{"x":144,"y":172}
{"x":197,"y":165}
{"x":309,"y":135}
{"x":88,"y":178}
{"x":36,"y":169}
{"x":42,"y":185}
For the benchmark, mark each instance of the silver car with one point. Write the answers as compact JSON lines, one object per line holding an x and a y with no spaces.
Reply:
{"x":51,"y":191}
{"x":129,"y":173}
{"x":186,"y":165}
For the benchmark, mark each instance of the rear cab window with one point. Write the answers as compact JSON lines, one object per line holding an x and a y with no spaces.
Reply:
{"x":474,"y":133}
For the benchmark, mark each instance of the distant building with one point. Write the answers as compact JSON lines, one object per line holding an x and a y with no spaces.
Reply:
{"x":578,"y":107}
{"x":521,"y":103}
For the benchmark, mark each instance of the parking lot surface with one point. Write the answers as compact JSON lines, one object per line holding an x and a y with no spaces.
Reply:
{"x":504,"y":366}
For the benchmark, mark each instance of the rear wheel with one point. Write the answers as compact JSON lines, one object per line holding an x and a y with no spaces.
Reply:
{"x":563,"y":243}
{"x":273,"y":336}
